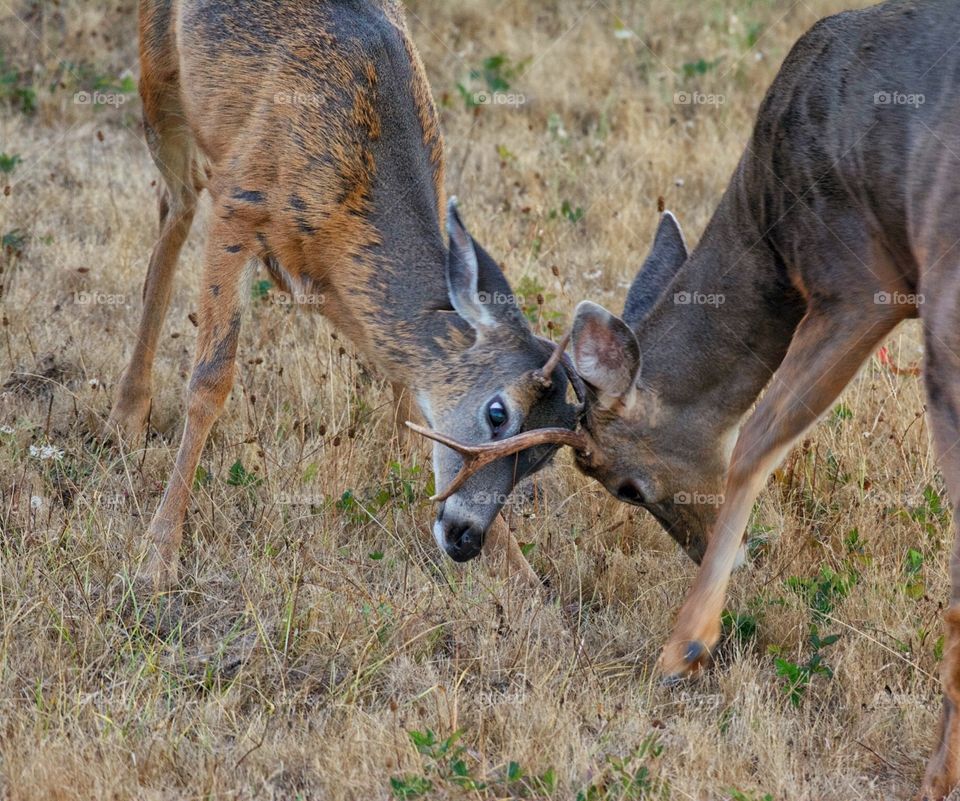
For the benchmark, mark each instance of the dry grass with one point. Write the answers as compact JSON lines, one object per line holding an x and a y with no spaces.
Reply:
{"x":294,"y":664}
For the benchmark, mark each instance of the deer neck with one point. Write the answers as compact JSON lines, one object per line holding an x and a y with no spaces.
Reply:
{"x":393,"y":303}
{"x":715,"y":337}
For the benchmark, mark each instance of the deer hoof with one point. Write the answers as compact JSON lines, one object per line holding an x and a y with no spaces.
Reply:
{"x":683,"y":658}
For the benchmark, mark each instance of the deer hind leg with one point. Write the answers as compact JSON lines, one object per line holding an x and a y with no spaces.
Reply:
{"x":942,"y":377}
{"x":174,"y":152}
{"x":828,"y":347}
{"x":226,"y":278}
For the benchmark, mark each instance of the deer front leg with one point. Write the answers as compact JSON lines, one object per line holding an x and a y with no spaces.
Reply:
{"x":828,"y":347}
{"x":224,"y":289}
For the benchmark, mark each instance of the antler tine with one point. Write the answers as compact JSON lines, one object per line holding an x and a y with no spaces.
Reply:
{"x":579,"y":388}
{"x":476,"y":457}
{"x":545,"y":373}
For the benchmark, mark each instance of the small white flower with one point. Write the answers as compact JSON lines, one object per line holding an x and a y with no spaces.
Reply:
{"x":36,"y":503}
{"x":94,"y":383}
{"x":6,"y":430}
{"x":46,"y":452}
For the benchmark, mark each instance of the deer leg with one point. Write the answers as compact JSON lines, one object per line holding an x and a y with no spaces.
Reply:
{"x":828,"y":347}
{"x":403,"y":409}
{"x":500,"y":540}
{"x":173,"y":154}
{"x":943,"y":402}
{"x":225,"y":280}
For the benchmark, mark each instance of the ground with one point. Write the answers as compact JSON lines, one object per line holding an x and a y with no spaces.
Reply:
{"x":320,"y":646}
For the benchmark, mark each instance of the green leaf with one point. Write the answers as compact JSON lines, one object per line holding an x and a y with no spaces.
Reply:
{"x":573,"y":215}
{"x":842,"y":412}
{"x":261,"y":289}
{"x":239,"y":477}
{"x":410,"y":786}
{"x":9,"y":163}
{"x":547,"y":781}
{"x":424,"y":741}
{"x":741,"y":625}
{"x":14,"y":241}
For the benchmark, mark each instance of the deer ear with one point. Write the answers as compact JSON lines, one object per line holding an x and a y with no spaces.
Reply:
{"x":463,"y":272}
{"x":667,"y":255}
{"x":605,"y":351}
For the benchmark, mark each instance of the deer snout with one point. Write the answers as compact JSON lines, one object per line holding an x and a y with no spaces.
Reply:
{"x":461,"y":538}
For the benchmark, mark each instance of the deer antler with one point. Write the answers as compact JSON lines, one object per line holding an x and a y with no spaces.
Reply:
{"x":477,"y":457}
{"x":544,"y":376}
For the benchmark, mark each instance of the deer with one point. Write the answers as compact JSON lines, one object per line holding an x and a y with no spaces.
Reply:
{"x":840,"y":221}
{"x":313,"y":128}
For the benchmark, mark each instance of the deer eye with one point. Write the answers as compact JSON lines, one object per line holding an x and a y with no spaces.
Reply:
{"x":497,"y":413}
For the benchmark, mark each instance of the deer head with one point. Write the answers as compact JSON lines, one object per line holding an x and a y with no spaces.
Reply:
{"x":496,"y":380}
{"x":646,"y":447}
{"x":666,"y":451}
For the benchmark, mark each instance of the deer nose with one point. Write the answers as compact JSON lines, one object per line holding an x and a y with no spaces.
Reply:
{"x":463,"y":541}
{"x":629,"y":492}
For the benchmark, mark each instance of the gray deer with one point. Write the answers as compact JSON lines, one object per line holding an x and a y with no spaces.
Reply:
{"x":841,"y":220}
{"x":313,"y":128}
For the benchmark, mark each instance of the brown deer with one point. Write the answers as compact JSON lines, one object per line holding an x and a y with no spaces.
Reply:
{"x":313,"y":128}
{"x":841,"y":220}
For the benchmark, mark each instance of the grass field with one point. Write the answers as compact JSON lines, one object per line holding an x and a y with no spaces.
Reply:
{"x":319,"y":646}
